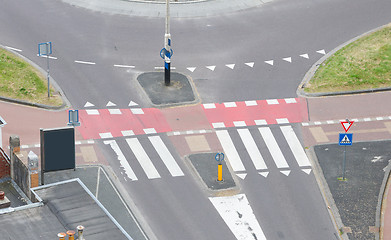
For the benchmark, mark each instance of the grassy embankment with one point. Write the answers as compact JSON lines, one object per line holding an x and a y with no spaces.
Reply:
{"x":363,"y":64}
{"x":19,"y":80}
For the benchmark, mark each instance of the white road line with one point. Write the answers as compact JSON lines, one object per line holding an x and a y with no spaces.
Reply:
{"x":137,"y":110}
{"x":212,"y":68}
{"x":218,"y":125}
{"x":15,"y":49}
{"x":290,"y":100}
{"x":83,"y":62}
{"x":115,"y":111}
{"x":273,"y":147}
{"x":166,"y":156}
{"x":106,"y":135}
{"x":209,"y":105}
{"x":123,"y":66}
{"x":272,"y":101}
{"x":230,"y":150}
{"x":260,"y":122}
{"x":143,"y":158}
{"x":295,"y":146}
{"x":240,"y":124}
{"x":239,"y":216}
{"x":122,"y":160}
{"x":230,"y":104}
{"x":92,"y":112}
{"x":251,"y":103}
{"x":252,"y":149}
{"x":50,"y":57}
{"x":149,"y":131}
{"x":127,"y":133}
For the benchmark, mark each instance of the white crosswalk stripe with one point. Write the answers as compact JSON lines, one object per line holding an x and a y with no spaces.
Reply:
{"x":252,"y":149}
{"x":230,"y":150}
{"x":295,"y":146}
{"x":273,"y":147}
{"x":166,"y":156}
{"x":143,"y":158}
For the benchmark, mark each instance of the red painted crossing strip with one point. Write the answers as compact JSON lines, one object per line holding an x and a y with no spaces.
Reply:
{"x":272,"y":111}
{"x":120,"y":124}
{"x":106,"y":123}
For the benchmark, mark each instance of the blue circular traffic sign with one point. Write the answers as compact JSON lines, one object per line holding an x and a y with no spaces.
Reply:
{"x":219,"y":157}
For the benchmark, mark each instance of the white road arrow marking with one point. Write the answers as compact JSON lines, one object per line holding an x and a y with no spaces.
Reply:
{"x":271,"y":62}
{"x":305,"y":56}
{"x":212,"y":68}
{"x":321,"y":52}
{"x":288,"y":59}
{"x":191,"y":69}
{"x":110,"y":104}
{"x":286,"y":173}
{"x":250,"y":64}
{"x":308,"y":171}
{"x":230,"y":66}
{"x":132,"y":104}
{"x":242,"y":175}
{"x":88,"y":104}
{"x":264,"y":174}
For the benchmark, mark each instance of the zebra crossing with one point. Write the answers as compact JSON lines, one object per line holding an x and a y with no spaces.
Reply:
{"x":132,"y":153}
{"x":143,"y":158}
{"x":257,"y":157}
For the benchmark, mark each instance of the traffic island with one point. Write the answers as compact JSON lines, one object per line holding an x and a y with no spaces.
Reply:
{"x":206,"y":167}
{"x":181,"y":90}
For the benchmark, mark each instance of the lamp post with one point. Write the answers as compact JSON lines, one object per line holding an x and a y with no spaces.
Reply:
{"x":167,"y":46}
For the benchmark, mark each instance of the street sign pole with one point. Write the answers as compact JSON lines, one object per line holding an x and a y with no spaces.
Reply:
{"x":219,"y":158}
{"x":47,"y":59}
{"x":344,"y":164}
{"x":167,"y":46}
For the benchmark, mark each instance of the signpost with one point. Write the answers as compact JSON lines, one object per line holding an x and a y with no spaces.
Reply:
{"x":73,"y":116}
{"x":345,"y":139}
{"x":2,"y":124}
{"x":45,"y":49}
{"x":219,"y":158}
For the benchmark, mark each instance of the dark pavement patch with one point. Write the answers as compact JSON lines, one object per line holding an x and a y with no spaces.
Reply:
{"x":357,"y":197}
{"x":206,"y":166}
{"x":179,"y":92}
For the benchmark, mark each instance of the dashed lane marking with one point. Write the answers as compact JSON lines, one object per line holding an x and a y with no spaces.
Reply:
{"x":12,"y":48}
{"x":84,"y":62}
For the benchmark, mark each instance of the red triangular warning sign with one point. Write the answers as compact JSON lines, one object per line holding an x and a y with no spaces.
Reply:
{"x":347,"y":125}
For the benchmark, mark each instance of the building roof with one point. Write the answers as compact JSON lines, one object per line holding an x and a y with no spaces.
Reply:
{"x":63,"y":206}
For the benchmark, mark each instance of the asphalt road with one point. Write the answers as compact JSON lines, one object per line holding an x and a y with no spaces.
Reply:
{"x":88,"y":45}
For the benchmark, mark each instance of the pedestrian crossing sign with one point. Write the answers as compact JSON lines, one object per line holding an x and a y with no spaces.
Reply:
{"x":345,"y":139}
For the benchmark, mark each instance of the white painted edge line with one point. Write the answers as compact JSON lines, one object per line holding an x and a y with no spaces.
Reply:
{"x":92,"y":111}
{"x":240,"y":124}
{"x":330,"y":122}
{"x":77,"y":142}
{"x":290,"y":100}
{"x":127,"y":133}
{"x":367,"y":119}
{"x":209,"y":105}
{"x":317,"y":123}
{"x":123,"y":66}
{"x":379,"y":118}
{"x":272,"y":101}
{"x":260,"y":122}
{"x":105,"y":135}
{"x":84,"y":62}
{"x":251,"y":103}
{"x":115,"y":111}
{"x":137,"y":111}
{"x":282,"y":120}
{"x":149,"y":130}
{"x":12,"y":48}
{"x":189,"y":132}
{"x":218,"y":125}
{"x":176,"y":133}
{"x":202,"y":131}
{"x":90,"y":141}
{"x":305,"y":124}
{"x":50,"y":57}
{"x":230,"y":104}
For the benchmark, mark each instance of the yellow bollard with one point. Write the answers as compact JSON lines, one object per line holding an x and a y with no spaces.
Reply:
{"x":61,"y":236}
{"x":220,"y":172}
{"x":71,"y":235}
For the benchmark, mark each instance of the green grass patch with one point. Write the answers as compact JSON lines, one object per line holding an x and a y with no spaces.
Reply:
{"x":363,"y":64}
{"x":19,"y":80}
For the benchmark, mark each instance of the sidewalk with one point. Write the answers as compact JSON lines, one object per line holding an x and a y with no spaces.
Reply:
{"x":372,"y":115}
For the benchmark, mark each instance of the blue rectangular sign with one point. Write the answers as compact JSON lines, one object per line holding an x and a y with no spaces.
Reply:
{"x":45,"y":49}
{"x":345,"y":139}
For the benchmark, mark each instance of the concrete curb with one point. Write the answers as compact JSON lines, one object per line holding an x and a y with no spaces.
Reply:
{"x":381,"y":207}
{"x":308,"y":76}
{"x":66,"y":102}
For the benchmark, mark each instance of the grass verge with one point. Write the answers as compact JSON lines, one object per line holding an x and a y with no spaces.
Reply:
{"x":19,"y":80}
{"x":362,"y":64}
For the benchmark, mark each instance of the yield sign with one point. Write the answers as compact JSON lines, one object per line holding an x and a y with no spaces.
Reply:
{"x":347,"y":125}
